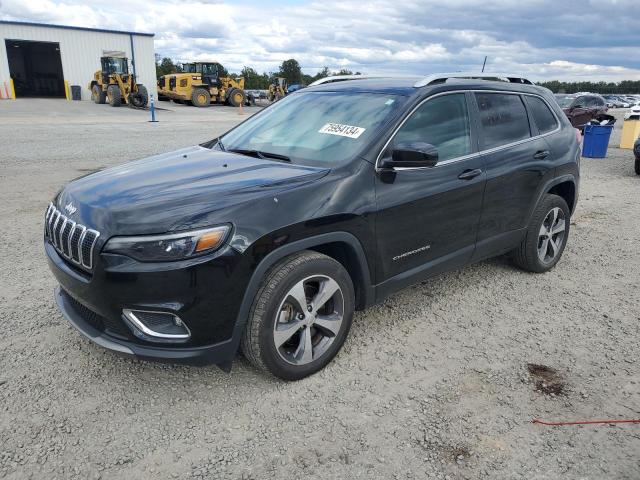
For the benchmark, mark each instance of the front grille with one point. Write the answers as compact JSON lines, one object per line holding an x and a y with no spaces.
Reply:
{"x":73,"y":241}
{"x":100,"y":323}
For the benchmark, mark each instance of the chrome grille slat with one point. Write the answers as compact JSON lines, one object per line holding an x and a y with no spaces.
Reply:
{"x":69,"y":238}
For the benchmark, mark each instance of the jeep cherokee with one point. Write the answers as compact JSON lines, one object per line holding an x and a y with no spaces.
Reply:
{"x":267,"y":238}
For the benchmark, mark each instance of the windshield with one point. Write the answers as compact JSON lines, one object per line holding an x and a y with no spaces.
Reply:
{"x":115,"y":65}
{"x":207,"y":68}
{"x":188,"y":68}
{"x":564,"y":101}
{"x":315,"y":127}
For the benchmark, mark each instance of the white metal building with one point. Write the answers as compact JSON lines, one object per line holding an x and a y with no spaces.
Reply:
{"x":39,"y":60}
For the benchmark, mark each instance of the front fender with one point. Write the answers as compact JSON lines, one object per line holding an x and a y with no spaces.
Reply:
{"x":296,"y":246}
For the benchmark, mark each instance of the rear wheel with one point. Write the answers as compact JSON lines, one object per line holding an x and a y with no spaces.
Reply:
{"x":300,"y":316}
{"x":200,"y":97}
{"x":140,"y":98}
{"x":236,"y":97}
{"x":114,"y":96}
{"x":546,"y":235}
{"x":637,"y":166}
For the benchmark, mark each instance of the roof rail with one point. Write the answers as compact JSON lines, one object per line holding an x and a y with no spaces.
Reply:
{"x":340,"y":78}
{"x":443,"y":77}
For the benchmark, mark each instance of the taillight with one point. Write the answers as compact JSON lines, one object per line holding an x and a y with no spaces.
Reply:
{"x":578,"y":136}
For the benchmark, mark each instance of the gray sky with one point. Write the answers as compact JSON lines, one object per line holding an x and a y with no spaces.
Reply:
{"x":543,"y":39}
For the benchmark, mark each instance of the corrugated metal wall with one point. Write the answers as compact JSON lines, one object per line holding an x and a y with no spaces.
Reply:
{"x":80,"y":52}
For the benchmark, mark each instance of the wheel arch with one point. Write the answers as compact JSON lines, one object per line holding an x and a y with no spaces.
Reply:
{"x":344,"y":247}
{"x":566,"y":190}
{"x":565,"y":186}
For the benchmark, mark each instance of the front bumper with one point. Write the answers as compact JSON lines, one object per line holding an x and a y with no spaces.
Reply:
{"x":220,"y":353}
{"x":205,"y":294}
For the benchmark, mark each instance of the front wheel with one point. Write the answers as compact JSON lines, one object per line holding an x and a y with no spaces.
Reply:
{"x":300,"y":316}
{"x":236,"y":97}
{"x":546,"y":235}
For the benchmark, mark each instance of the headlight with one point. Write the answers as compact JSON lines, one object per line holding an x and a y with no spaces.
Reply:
{"x":162,"y":248}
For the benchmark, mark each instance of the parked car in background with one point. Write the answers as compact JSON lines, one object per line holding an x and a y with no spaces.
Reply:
{"x":612,"y":101}
{"x":633,"y":113}
{"x":294,"y":88}
{"x":581,"y":108}
{"x":623,"y":102}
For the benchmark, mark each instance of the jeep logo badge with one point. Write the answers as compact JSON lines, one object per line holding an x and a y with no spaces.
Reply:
{"x":69,"y":207}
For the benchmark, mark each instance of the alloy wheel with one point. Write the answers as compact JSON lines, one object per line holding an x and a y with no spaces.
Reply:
{"x":308,"y":319}
{"x":551,"y":235}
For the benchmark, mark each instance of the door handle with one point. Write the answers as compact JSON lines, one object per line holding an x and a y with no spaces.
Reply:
{"x":542,"y":154}
{"x":469,"y":174}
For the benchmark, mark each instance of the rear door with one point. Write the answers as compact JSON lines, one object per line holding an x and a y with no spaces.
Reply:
{"x":427,"y":217}
{"x":517,"y":159}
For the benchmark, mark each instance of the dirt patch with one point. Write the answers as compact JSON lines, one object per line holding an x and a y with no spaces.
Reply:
{"x":546,"y":379}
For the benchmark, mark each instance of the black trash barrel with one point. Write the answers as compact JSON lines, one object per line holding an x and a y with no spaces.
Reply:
{"x":76,"y":92}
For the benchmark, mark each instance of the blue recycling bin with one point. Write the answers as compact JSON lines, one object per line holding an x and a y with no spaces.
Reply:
{"x":596,"y":140}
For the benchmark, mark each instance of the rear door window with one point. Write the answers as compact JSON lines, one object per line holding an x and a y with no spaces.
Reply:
{"x":503,"y":119}
{"x":542,"y":115}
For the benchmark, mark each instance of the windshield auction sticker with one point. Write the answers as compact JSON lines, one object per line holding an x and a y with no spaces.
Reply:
{"x":342,"y":130}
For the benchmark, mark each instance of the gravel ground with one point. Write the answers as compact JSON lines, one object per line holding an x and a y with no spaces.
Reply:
{"x":434,"y":383}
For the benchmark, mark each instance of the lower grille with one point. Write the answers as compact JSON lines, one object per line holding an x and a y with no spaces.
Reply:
{"x":103,"y":324}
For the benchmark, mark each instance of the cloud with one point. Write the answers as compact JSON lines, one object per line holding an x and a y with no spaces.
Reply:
{"x":580,"y":39}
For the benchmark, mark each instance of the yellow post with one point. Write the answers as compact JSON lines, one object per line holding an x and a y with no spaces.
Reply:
{"x":630,"y":131}
{"x":66,"y":90}
{"x":13,"y":89}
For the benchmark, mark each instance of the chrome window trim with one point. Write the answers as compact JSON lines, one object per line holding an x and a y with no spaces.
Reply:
{"x":130,"y":315}
{"x":475,"y":154}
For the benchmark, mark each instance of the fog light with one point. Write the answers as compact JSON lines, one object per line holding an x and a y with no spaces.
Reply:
{"x":157,"y":325}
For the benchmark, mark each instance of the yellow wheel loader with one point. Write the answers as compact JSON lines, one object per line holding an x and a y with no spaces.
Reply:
{"x":114,"y":84}
{"x":277,"y":90}
{"x":201,"y":84}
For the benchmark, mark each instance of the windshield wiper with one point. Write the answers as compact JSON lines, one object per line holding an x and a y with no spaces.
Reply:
{"x":221,"y":145}
{"x":260,"y":154}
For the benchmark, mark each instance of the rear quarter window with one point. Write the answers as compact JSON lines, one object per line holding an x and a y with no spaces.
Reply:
{"x":542,"y":115}
{"x":503,"y":119}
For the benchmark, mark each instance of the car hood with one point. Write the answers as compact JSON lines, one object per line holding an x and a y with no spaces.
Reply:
{"x":175,"y":191}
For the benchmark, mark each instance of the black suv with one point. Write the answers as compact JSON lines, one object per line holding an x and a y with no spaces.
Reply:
{"x":270,"y":236}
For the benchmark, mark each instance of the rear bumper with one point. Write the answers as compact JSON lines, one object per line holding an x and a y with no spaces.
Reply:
{"x":220,"y":353}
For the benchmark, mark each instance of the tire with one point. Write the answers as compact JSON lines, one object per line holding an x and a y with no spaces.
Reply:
{"x":325,"y":329}
{"x":114,"y":96}
{"x":637,"y":166}
{"x":200,"y":97}
{"x":236,"y":97}
{"x":141,"y":98}
{"x":537,"y":243}
{"x":97,"y":95}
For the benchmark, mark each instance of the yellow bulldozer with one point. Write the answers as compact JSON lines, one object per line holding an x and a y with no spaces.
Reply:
{"x":114,"y":84}
{"x":277,"y":90}
{"x":200,"y":84}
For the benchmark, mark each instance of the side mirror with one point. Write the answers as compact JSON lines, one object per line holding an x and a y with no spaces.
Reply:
{"x":411,"y":155}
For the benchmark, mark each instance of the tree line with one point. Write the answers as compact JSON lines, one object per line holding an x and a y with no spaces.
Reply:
{"x":625,"y":86}
{"x":289,"y":69}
